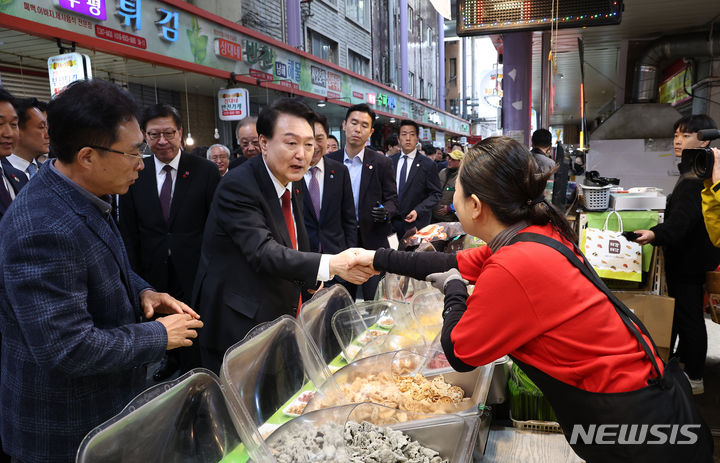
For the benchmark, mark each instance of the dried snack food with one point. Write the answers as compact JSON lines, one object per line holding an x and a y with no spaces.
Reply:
{"x":410,"y":393}
{"x":362,"y":442}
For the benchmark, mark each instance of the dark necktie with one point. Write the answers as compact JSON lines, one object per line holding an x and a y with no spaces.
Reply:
{"x":403,"y":176}
{"x":4,"y":193}
{"x":166,"y":192}
{"x":314,"y":190}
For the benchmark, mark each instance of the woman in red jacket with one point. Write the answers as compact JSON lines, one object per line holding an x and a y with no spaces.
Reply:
{"x":537,"y":301}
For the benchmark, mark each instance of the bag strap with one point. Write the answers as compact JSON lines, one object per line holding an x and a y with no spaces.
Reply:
{"x":607,"y":218}
{"x":626,"y":315}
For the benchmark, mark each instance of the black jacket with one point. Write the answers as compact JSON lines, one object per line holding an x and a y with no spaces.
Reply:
{"x":689,"y":253}
{"x":377,"y":184}
{"x":337,"y":227}
{"x":249,"y":273}
{"x":150,"y":240}
{"x":421,"y":193}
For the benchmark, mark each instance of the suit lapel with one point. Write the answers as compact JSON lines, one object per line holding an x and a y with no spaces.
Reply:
{"x":16,"y":177}
{"x":268,"y":192}
{"x":307,"y":202}
{"x":414,"y":167}
{"x":329,"y":183}
{"x":303,"y":242}
{"x":182,"y":185}
{"x":368,"y":170}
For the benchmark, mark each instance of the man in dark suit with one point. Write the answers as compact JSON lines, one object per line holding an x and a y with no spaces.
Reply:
{"x":255,"y":257}
{"x":162,"y":216}
{"x":74,"y":347}
{"x":417,"y":179}
{"x":10,"y":178}
{"x":373,"y":184}
{"x":34,"y":140}
{"x":329,"y":206}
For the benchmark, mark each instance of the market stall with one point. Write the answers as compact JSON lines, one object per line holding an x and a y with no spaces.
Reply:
{"x":293,"y":378}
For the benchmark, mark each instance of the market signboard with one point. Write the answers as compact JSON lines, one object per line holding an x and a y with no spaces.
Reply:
{"x":673,"y":89}
{"x":233,"y":104}
{"x":66,"y":69}
{"x":164,"y":29}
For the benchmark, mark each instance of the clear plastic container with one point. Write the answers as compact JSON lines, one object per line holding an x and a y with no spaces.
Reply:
{"x":273,"y":373}
{"x":186,"y":420}
{"x":332,"y":434}
{"x":400,"y":288}
{"x":316,"y":316}
{"x":392,"y":379}
{"x":376,"y":327}
{"x":427,"y":307}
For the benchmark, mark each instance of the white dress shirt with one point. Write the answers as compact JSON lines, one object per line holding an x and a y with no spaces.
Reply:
{"x":324,"y":269}
{"x":319,"y":175}
{"x":160,"y":173}
{"x":21,"y":164}
{"x":409,"y":161}
{"x":7,"y":183}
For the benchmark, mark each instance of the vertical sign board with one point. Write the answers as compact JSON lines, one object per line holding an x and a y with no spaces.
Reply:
{"x":233,"y":104}
{"x":66,"y":69}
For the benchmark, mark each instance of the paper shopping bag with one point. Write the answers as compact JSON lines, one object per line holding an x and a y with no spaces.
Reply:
{"x":611,"y":254}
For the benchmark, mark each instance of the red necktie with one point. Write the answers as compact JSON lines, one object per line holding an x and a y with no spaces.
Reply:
{"x":290,"y":223}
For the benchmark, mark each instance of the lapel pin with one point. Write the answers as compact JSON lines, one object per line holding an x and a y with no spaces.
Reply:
{"x":186,"y":174}
{"x":297,"y":191}
{"x":370,"y":167}
{"x":14,"y":177}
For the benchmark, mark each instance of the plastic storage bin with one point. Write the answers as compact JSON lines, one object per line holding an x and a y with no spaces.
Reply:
{"x":596,"y":198}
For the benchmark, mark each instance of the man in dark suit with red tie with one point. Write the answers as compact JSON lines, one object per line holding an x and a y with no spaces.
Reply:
{"x":162,"y":216}
{"x":373,"y":184}
{"x":417,"y":180}
{"x":256,"y":255}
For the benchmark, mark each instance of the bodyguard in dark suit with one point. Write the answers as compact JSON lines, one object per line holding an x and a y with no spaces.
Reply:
{"x":373,"y":184}
{"x":255,"y":254}
{"x":417,"y":180}
{"x":74,"y":344}
{"x":162,"y":216}
{"x":329,"y":206}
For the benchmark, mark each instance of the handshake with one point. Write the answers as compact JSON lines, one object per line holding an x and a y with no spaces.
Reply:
{"x":353,"y":265}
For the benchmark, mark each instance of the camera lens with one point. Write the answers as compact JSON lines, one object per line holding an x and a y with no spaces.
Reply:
{"x":699,"y":165}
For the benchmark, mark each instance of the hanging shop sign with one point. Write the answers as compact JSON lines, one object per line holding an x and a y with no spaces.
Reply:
{"x":66,"y":69}
{"x":166,"y":29}
{"x":233,"y":104}
{"x":676,"y":88}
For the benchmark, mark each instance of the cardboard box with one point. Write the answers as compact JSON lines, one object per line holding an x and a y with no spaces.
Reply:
{"x":656,"y":313}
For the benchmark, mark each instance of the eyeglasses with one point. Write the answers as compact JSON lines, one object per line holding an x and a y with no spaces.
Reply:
{"x":168,"y":134}
{"x":246,"y":143}
{"x":142,"y":152}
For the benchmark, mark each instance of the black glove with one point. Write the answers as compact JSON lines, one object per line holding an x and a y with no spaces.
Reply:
{"x":379,"y":214}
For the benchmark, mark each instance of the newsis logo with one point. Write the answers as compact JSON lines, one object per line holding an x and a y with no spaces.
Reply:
{"x":635,"y":434}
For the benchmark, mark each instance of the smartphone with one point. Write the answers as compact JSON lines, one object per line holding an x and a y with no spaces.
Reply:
{"x":630,"y":235}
